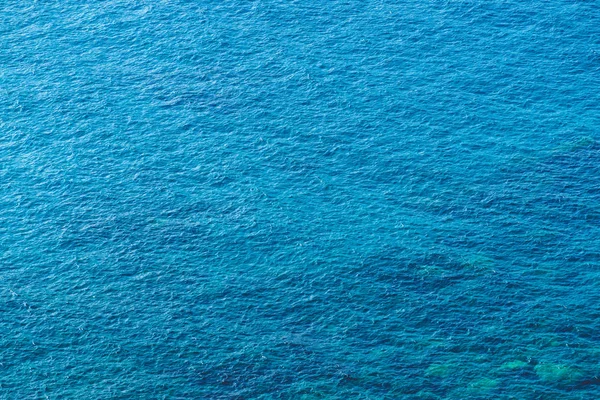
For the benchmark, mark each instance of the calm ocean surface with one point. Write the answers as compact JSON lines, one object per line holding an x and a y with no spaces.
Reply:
{"x":300,"y":199}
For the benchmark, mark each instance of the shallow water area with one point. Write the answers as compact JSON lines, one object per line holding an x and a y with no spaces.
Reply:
{"x":268,"y":199}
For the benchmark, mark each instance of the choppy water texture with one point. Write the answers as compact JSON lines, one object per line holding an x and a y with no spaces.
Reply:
{"x":300,"y":200}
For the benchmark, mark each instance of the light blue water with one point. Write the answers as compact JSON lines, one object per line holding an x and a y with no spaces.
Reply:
{"x":300,"y":200}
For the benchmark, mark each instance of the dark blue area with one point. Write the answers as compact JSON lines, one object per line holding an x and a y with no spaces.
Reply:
{"x":264,"y":199}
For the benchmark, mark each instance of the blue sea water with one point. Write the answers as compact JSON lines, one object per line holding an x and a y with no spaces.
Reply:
{"x":299,"y":199}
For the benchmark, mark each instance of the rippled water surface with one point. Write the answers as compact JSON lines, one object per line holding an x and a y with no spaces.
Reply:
{"x":300,"y":199}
